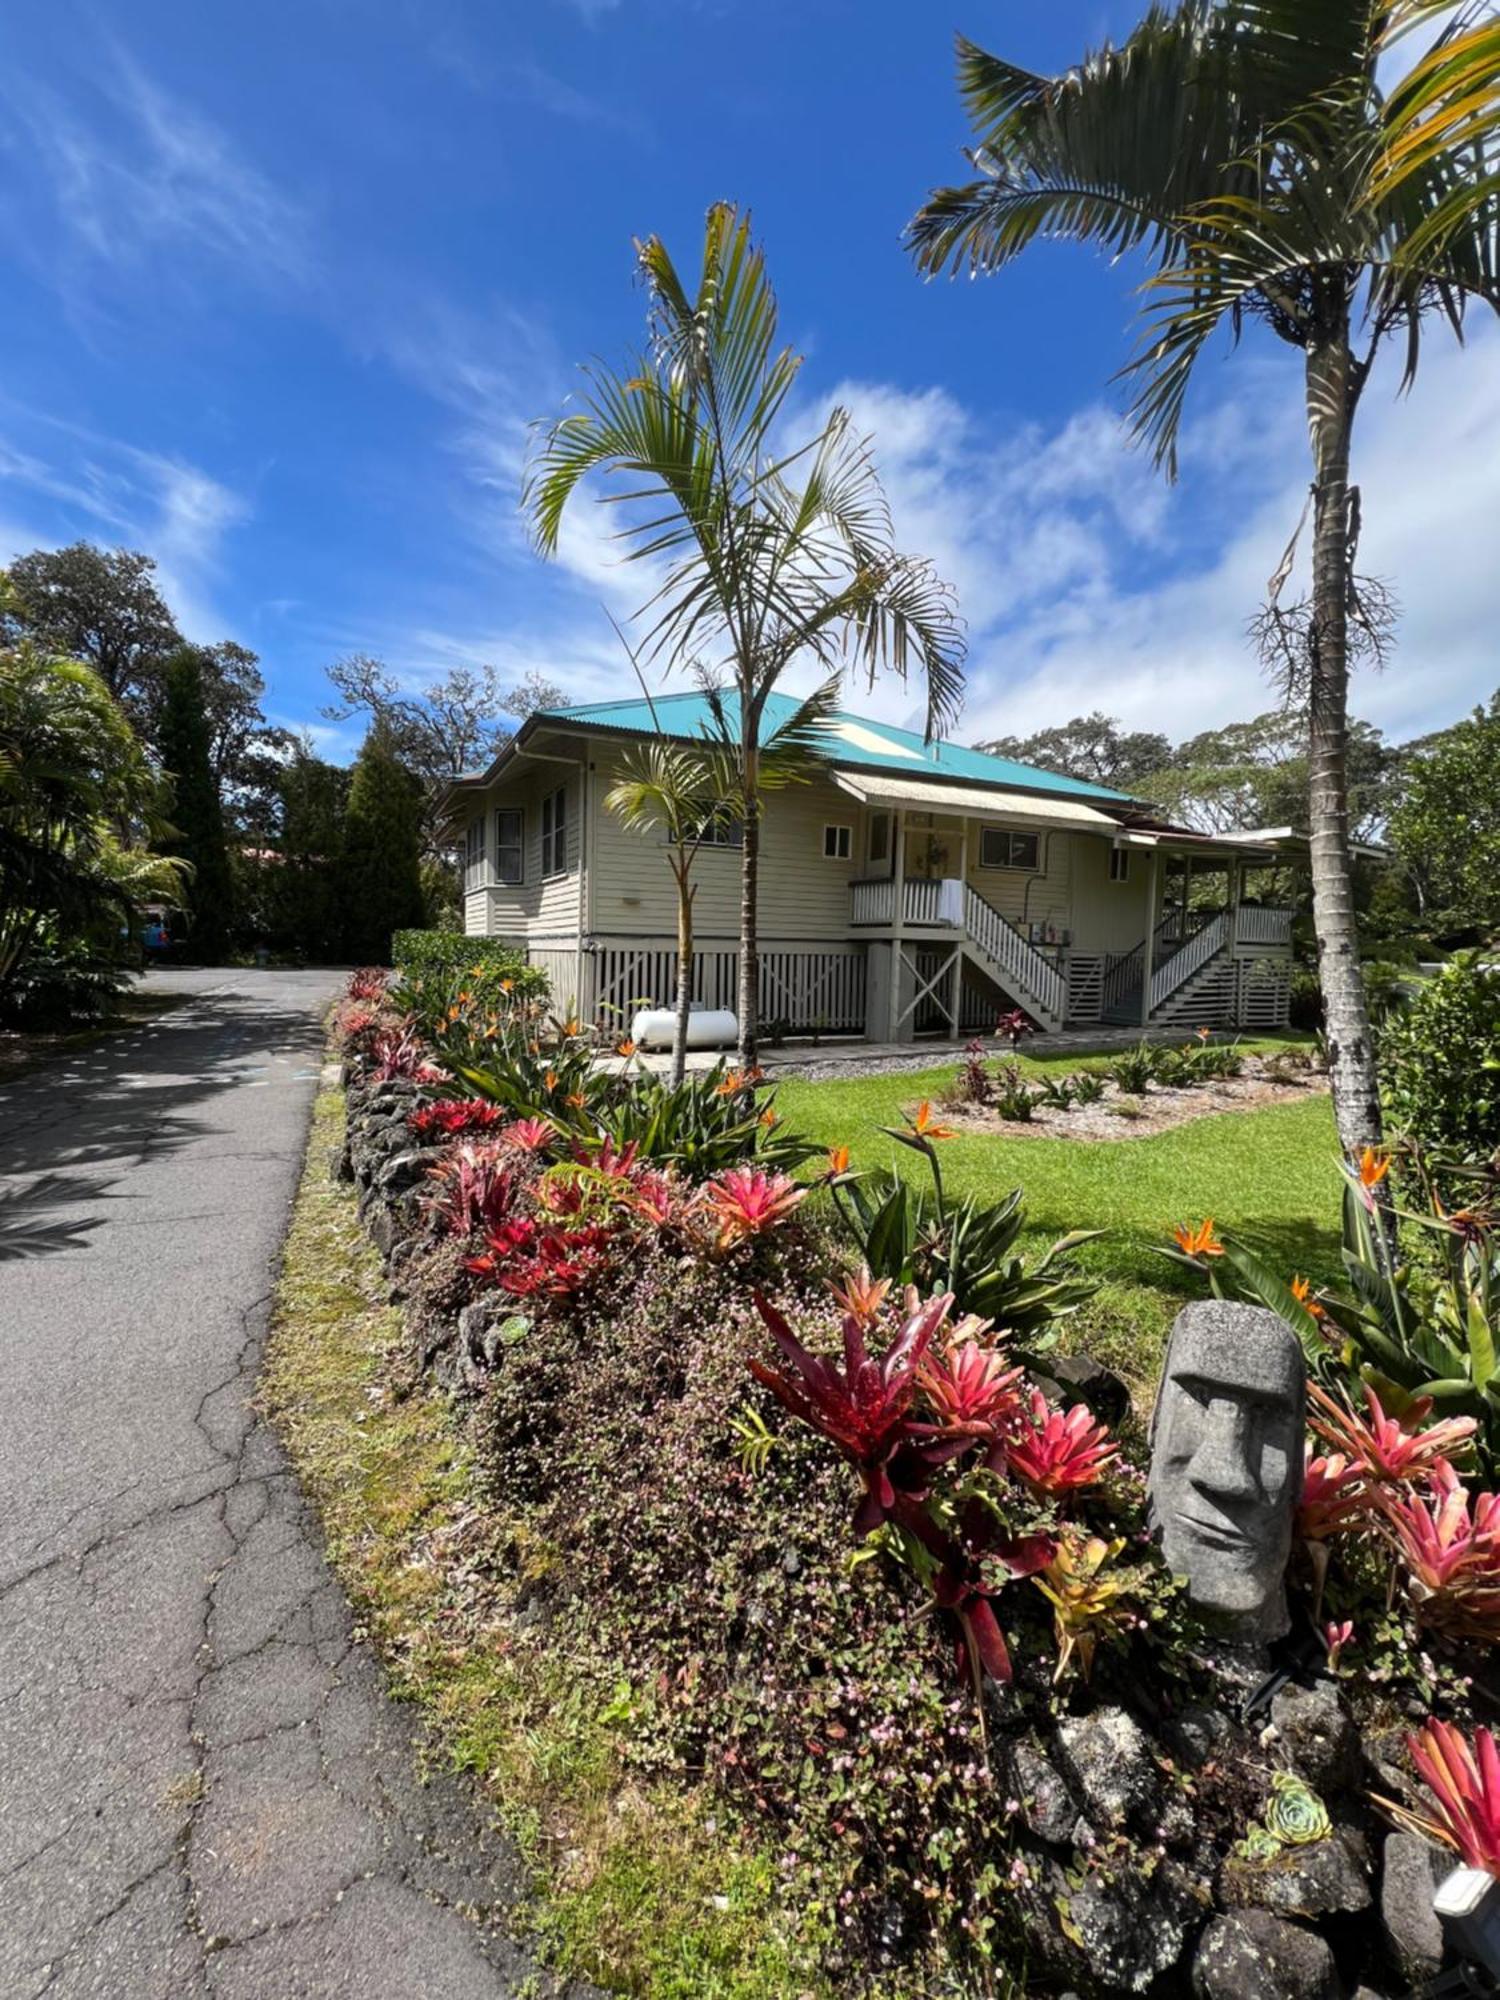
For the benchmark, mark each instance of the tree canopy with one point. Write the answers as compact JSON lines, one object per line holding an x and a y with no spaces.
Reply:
{"x":1446,"y":825}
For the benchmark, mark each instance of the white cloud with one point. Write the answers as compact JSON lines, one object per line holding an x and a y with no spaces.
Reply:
{"x":137,"y":177}
{"x":106,"y":490}
{"x":1087,"y":582}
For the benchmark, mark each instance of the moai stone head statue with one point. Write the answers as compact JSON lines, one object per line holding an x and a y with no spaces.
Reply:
{"x":1227,"y":1451}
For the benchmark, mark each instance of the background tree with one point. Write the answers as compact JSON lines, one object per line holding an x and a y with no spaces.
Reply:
{"x":78,"y":804}
{"x":1238,"y":144}
{"x":1096,"y":748}
{"x":1255,"y":773}
{"x":444,"y":729}
{"x":185,"y":747}
{"x":1446,"y":827}
{"x":380,"y":867}
{"x":763,"y":556}
{"x":101,"y":606}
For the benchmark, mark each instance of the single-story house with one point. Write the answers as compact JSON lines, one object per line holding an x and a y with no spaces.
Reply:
{"x":911,"y":887}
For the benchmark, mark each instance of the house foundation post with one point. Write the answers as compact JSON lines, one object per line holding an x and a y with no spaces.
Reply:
{"x":1148,"y":950}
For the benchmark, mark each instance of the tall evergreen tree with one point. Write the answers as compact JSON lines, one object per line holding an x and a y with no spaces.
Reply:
{"x":381,"y":869}
{"x":185,"y":747}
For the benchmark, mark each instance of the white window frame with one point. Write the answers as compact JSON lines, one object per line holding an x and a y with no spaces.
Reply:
{"x":718,"y":832}
{"x":1010,"y":836}
{"x":517,"y":846}
{"x":841,"y":846}
{"x":474,"y":855}
{"x":555,"y":833}
{"x":1119,"y":864}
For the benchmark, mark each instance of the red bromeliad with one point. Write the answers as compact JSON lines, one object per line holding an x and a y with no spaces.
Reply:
{"x":1385,"y":1452}
{"x":454,"y":1115}
{"x":560,"y":1263}
{"x":529,"y":1135}
{"x":398,"y":1052}
{"x":862,"y":1408}
{"x":473,"y":1189}
{"x":1334,"y":1497}
{"x":1058,"y":1452}
{"x":969,"y":1389}
{"x":1450,"y":1546}
{"x":744,"y":1202}
{"x":1465,"y":1785}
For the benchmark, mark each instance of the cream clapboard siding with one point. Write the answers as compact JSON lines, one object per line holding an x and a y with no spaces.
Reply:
{"x":1107,"y":916}
{"x":802,"y":895}
{"x":538,"y":907}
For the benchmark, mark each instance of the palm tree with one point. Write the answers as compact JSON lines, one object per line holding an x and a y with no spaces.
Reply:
{"x":1448,"y":100}
{"x":688,"y":791}
{"x":78,"y":801}
{"x":1236,"y":143}
{"x":764,"y":554}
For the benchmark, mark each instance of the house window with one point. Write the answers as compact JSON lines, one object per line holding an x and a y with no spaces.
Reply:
{"x":555,"y":832}
{"x":510,"y":846}
{"x":999,"y":847}
{"x":838,"y":843}
{"x":1119,"y":864}
{"x":474,"y":853}
{"x":880,"y":837}
{"x":721,"y":831}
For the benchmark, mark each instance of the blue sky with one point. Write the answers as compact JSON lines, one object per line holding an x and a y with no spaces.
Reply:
{"x":285,"y":286}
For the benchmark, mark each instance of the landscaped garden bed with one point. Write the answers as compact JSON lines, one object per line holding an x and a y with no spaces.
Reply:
{"x":870,"y":1578}
{"x":1141,"y":1091}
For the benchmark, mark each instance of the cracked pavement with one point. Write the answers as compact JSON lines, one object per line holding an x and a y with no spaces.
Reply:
{"x":204,"y":1788}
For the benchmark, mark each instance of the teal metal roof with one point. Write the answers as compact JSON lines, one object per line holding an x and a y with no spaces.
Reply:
{"x":852,"y":740}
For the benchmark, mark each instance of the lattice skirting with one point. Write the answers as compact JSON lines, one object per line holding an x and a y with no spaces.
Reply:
{"x":806,"y":987}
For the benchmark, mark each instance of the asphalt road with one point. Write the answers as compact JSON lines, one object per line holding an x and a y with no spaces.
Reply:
{"x":203,"y":1787}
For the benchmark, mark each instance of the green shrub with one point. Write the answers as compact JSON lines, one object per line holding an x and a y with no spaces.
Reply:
{"x":451,"y":952}
{"x":1440,"y":1060}
{"x":1305,"y":998}
{"x":1136,"y":1069}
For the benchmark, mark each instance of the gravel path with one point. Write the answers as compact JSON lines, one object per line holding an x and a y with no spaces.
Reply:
{"x":204,"y":1789}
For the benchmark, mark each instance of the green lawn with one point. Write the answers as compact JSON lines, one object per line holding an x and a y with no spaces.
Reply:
{"x":1270,"y":1176}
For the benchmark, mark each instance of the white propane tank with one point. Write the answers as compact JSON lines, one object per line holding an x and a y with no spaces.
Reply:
{"x":708,"y":1028}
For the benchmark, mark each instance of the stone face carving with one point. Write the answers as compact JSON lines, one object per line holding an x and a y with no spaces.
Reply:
{"x":1227,"y":1440}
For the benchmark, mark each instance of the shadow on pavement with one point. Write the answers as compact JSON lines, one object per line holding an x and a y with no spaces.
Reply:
{"x":69,"y":1134}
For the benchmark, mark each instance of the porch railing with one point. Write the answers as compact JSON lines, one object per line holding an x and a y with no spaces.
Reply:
{"x":872,"y":902}
{"x":1184,"y":962}
{"x":1034,"y":977}
{"x":1256,"y":926}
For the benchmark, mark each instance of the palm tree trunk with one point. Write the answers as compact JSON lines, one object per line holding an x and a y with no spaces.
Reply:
{"x":749,"y":1007}
{"x":1331,"y":395}
{"x":684,"y":975}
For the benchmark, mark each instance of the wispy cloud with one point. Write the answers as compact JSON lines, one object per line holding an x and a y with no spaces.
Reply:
{"x":136,"y":177}
{"x":103,"y":489}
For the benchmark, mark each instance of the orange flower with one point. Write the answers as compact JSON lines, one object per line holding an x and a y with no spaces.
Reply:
{"x":1199,"y":1242}
{"x":625,"y":1048}
{"x":1373,"y":1167}
{"x":575,"y":1100}
{"x":549,"y":1081}
{"x":1204,"y":1033}
{"x":922,"y":1124}
{"x":768,"y":1118}
{"x":507,"y":986}
{"x":838,"y":1160}
{"x":732,"y":1081}
{"x":1302,"y":1292}
{"x":454,"y":1013}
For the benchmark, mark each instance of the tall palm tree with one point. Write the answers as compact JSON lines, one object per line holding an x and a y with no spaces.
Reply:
{"x":1449,"y":99}
{"x":686,"y":792}
{"x":764,"y":553}
{"x":1236,"y":143}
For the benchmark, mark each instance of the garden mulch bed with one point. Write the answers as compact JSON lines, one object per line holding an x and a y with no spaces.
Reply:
{"x":1159,"y":1110}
